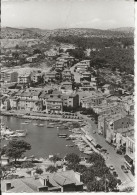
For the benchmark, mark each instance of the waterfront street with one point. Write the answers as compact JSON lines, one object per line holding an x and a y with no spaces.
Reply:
{"x":112,"y":158}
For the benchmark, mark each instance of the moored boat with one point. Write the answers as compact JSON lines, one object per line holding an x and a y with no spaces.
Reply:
{"x":21,"y":133}
{"x":62,"y":135}
{"x":50,"y":126}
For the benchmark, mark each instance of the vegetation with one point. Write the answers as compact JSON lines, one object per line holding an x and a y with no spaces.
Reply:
{"x":97,"y":177}
{"x":51,"y":169}
{"x":72,"y":158}
{"x":16,"y":148}
{"x":111,"y":52}
{"x":55,"y":158}
{"x":39,"y":171}
{"x":27,"y":165}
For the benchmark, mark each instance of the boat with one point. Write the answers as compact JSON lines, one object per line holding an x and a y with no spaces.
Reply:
{"x":50,"y":126}
{"x":21,"y":133}
{"x":88,"y":152}
{"x":41,"y":125}
{"x":70,"y":145}
{"x":14,"y":135}
{"x":51,"y":123}
{"x":68,"y":138}
{"x":62,"y":135}
{"x":24,"y":123}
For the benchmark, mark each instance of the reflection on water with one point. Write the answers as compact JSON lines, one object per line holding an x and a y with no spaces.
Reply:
{"x":43,"y":140}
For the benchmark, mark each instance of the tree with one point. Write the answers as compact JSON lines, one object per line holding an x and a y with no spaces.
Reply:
{"x":128,"y":189}
{"x":37,"y":51}
{"x":72,"y":158}
{"x":51,"y":169}
{"x":95,"y":186}
{"x":55,"y":158}
{"x":96,"y":158}
{"x":39,"y":171}
{"x":88,"y":176}
{"x":16,"y":148}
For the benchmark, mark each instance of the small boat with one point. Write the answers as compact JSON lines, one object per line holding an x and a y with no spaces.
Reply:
{"x":50,"y":126}
{"x":68,"y":138}
{"x":14,"y":135}
{"x":88,"y":152}
{"x":70,"y":145}
{"x":24,"y":123}
{"x":27,"y":121}
{"x":62,"y":135}
{"x":21,"y":133}
{"x":51,"y":123}
{"x":41,"y":125}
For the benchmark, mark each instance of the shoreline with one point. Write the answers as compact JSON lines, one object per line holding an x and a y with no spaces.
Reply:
{"x":36,"y":117}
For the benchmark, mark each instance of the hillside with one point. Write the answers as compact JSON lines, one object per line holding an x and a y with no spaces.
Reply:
{"x":124,"y":29}
{"x":32,"y":33}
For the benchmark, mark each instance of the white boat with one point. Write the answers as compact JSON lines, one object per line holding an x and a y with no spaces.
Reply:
{"x":88,"y":152}
{"x":51,"y":123}
{"x":21,"y":133}
{"x":27,"y":121}
{"x":50,"y":126}
{"x":14,"y":135}
{"x":41,"y":125}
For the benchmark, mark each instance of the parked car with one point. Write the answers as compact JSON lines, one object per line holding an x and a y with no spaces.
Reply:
{"x":111,"y":167}
{"x":124,"y":168}
{"x":115,"y":174}
{"x":119,"y":152}
{"x":103,"y":150}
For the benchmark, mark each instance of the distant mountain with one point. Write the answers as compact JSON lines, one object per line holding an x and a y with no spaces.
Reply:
{"x":11,"y":33}
{"x":87,"y":32}
{"x":124,"y":29}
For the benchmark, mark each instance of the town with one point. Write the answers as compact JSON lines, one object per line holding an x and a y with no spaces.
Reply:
{"x":67,"y":109}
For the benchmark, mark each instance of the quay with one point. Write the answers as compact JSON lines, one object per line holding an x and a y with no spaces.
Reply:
{"x":37,"y":116}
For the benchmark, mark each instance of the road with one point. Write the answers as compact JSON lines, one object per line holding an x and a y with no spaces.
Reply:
{"x":76,"y":75}
{"x":112,"y":158}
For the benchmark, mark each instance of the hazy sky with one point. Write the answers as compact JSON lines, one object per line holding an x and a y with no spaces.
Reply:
{"x":51,"y":14}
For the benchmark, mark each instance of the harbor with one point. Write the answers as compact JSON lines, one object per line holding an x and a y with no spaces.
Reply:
{"x":42,"y":135}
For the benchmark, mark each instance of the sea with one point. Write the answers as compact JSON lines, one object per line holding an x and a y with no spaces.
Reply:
{"x":44,"y":141}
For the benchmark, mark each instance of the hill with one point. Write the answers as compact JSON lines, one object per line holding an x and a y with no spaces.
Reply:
{"x":32,"y":33}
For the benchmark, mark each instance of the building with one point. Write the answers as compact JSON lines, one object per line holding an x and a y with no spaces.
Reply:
{"x":117,"y":123}
{"x":67,"y":75}
{"x":92,"y":101}
{"x":65,"y":181}
{"x":52,"y":76}
{"x":30,"y":105}
{"x":83,"y":65}
{"x":14,"y":103}
{"x":130,"y":153}
{"x":5,"y":104}
{"x":86,"y":76}
{"x":66,"y":85}
{"x":60,"y":65}
{"x":31,"y":59}
{"x":108,"y":89}
{"x":9,"y":76}
{"x":36,"y":77}
{"x":54,"y":105}
{"x":86,"y":86}
{"x":24,"y":78}
{"x":71,"y":100}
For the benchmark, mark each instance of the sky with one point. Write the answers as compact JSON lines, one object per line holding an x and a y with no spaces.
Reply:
{"x":53,"y":14}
